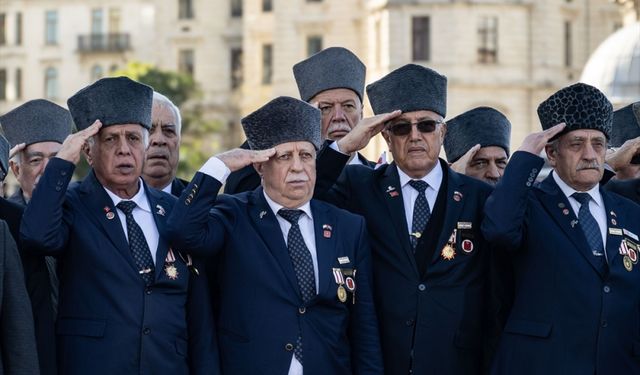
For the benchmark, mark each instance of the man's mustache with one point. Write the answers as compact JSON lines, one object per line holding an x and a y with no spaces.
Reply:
{"x":589,"y":165}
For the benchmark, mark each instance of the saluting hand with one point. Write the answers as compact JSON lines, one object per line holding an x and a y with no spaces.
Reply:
{"x":535,"y":142}
{"x":239,"y":158}
{"x":72,"y":145}
{"x":621,"y":157}
{"x":359,"y":136}
{"x":461,"y":164}
{"x":15,"y":149}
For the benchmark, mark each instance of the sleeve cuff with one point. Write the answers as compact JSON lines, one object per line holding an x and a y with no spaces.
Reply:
{"x":334,"y":146}
{"x":215,"y":168}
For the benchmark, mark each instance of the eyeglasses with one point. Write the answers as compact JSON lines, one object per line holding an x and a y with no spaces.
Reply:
{"x":404,"y":128}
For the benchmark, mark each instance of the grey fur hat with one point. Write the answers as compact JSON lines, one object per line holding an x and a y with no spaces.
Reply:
{"x":482,"y":125}
{"x":579,"y":106}
{"x":4,"y":157}
{"x":284,"y":119}
{"x":626,"y":124}
{"x":409,"y":88}
{"x":36,"y":121}
{"x":113,"y":101}
{"x":331,"y":68}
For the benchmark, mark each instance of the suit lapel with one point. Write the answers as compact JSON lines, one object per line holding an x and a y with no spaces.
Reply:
{"x":323,"y":222}
{"x":453,"y":207}
{"x":613,"y":241}
{"x":158,"y":207}
{"x":390,"y":193}
{"x":100,"y":208}
{"x":266,"y":225}
{"x":558,"y":207}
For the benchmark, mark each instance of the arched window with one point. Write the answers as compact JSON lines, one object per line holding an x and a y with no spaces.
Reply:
{"x":51,"y":83}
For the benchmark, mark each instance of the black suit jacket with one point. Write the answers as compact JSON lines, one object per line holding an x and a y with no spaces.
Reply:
{"x":17,"y":338}
{"x":627,"y":188}
{"x":431,"y":311}
{"x":39,"y":286}
{"x":177,"y":186}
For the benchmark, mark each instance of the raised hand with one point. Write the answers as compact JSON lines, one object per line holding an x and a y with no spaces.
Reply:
{"x":72,"y":145}
{"x":461,"y":164}
{"x":535,"y":142}
{"x":239,"y":158}
{"x":367,"y":128}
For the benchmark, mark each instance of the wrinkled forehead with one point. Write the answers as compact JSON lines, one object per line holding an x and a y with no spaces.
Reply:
{"x":339,"y":95}
{"x":583,"y":134}
{"x":122,"y":129}
{"x":297,"y":146}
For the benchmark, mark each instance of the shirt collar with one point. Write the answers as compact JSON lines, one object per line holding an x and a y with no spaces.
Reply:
{"x":140,"y":199}
{"x":167,"y":189}
{"x":433,"y":178}
{"x":275,"y":207}
{"x":567,"y":190}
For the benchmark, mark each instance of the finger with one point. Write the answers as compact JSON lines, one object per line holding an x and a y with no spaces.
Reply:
{"x":263,"y":155}
{"x":472,"y":151}
{"x":15,"y":149}
{"x":315,"y":104}
{"x":91,"y":130}
{"x":390,"y":115}
{"x":554,"y":130}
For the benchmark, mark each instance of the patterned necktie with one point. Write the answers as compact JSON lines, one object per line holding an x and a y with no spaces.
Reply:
{"x":137,"y":243}
{"x":302,"y":264}
{"x":421,"y":212}
{"x":589,"y":225}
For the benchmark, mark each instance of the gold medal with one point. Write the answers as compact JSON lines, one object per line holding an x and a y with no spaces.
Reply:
{"x":448,"y":252}
{"x":628,"y":264}
{"x":171,"y":271}
{"x":342,"y":294}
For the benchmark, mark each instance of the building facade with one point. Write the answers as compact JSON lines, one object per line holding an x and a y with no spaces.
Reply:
{"x":507,"y":54}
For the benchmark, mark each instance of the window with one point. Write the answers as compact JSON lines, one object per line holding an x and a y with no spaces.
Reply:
{"x":568,"y":45}
{"x":185,"y":9}
{"x":421,"y":36}
{"x":314,"y":44}
{"x":96,"y":73}
{"x":114,"y":20}
{"x":51,"y":83}
{"x":236,"y":67}
{"x":488,"y":40}
{"x":96,"y":21}
{"x":267,"y":64}
{"x":3,"y":29}
{"x":236,"y":8}
{"x":3,"y":84}
{"x":267,"y":5}
{"x":51,"y":27}
{"x":378,"y":38}
{"x":18,"y":29}
{"x":186,"y":61}
{"x":18,"y":83}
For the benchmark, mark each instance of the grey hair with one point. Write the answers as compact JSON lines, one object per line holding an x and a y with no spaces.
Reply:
{"x":162,"y":101}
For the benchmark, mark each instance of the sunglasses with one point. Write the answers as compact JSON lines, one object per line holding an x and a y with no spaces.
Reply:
{"x":404,"y":128}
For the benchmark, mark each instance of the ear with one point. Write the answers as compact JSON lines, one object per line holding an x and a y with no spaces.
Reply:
{"x":552,"y":154}
{"x":443,"y":131}
{"x":15,"y":168}
{"x":259,"y":167}
{"x":86,"y":150}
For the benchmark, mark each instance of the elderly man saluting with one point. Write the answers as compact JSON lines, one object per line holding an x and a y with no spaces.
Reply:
{"x":294,"y":274}
{"x":574,"y":246}
{"x":128,"y":302}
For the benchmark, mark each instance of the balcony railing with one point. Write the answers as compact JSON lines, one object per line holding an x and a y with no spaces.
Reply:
{"x":114,"y":42}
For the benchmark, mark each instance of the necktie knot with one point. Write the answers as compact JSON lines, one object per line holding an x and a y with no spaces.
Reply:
{"x":126,"y":206}
{"x":291,"y":216}
{"x":582,"y":198}
{"x":419,"y":185}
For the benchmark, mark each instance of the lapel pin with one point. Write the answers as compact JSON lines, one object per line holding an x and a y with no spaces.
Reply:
{"x":457,"y":196}
{"x":561,"y":205}
{"x":161,"y":210}
{"x":467,"y":246}
{"x":565,"y":211}
{"x":108,"y":213}
{"x":262,"y":213}
{"x":573,"y":223}
{"x":326,"y":230}
{"x":390,"y":188}
{"x":614,"y":222}
{"x":613,"y":214}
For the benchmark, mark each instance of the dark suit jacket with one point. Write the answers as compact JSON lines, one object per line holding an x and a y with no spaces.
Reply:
{"x":108,"y":321}
{"x":18,"y":198}
{"x":177,"y":186}
{"x":39,"y":288}
{"x":570,"y":315}
{"x":17,"y":337}
{"x":627,"y":188}
{"x":434,"y":309}
{"x":247,"y":179}
{"x":260,"y":306}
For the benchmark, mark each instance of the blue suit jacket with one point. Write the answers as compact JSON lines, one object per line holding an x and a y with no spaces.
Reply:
{"x":570,"y":315}
{"x":260,"y":308}
{"x":438,"y":316}
{"x":108,"y":321}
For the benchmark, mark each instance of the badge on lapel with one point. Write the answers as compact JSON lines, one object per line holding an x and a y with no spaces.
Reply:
{"x":448,"y":251}
{"x":326,"y":230}
{"x":169,"y":265}
{"x":108,"y":213}
{"x":160,"y":210}
{"x":345,"y":278}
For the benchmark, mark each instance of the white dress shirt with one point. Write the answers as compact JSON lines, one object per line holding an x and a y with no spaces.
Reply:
{"x":409,"y":194}
{"x":596,"y":205}
{"x":143,"y":216}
